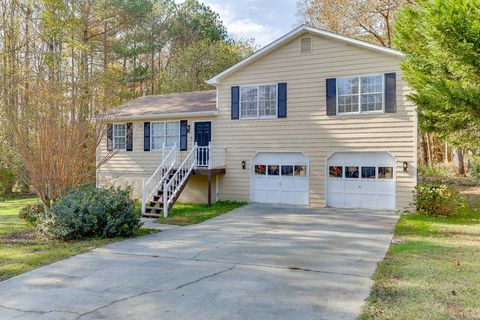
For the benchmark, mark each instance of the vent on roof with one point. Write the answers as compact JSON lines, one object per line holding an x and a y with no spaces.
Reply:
{"x":306,"y":45}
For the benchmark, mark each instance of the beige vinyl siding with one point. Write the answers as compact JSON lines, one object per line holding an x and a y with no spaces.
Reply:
{"x":130,"y":167}
{"x":307,"y":128}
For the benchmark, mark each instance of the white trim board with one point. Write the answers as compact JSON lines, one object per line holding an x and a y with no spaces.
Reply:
{"x":157,"y":116}
{"x":292,"y":34}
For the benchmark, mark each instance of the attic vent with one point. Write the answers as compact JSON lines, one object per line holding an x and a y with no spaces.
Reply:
{"x":306,"y":45}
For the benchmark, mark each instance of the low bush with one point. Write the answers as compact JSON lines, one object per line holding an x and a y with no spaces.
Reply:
{"x":91,"y":212}
{"x":32,"y":212}
{"x":436,"y":198}
{"x":436,"y":171}
{"x":475,"y":170}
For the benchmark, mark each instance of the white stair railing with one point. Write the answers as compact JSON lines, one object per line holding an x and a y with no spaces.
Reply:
{"x":172,"y":187}
{"x":150,"y":186}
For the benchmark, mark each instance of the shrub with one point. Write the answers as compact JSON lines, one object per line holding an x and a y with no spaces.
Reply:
{"x":435,"y":198}
{"x":7,"y":181}
{"x":475,"y":170}
{"x":32,"y":212}
{"x":91,"y":212}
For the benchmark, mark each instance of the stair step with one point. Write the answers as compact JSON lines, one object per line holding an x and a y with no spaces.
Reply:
{"x":151,"y":215}
{"x":153,"y":210}
{"x":155,"y":201}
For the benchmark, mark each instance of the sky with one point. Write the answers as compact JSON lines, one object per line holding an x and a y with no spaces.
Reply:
{"x":263,"y":20}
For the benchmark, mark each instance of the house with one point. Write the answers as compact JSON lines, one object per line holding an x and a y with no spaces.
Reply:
{"x":312,"y":119}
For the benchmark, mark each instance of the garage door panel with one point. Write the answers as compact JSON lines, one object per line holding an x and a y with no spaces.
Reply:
{"x":366,"y":191}
{"x":286,"y":187}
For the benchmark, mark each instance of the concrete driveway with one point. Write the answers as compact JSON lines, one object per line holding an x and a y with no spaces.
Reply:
{"x":258,"y":262}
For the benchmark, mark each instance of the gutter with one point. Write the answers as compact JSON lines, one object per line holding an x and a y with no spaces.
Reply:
{"x":107,"y":117}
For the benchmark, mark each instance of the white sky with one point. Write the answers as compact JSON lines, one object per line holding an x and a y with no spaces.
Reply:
{"x":262,"y":20}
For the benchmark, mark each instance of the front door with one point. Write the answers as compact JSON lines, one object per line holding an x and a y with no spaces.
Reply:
{"x":203,"y":137}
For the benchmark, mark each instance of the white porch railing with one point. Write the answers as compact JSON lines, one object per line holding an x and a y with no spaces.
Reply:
{"x":150,"y":186}
{"x":210,"y":157}
{"x":172,"y":187}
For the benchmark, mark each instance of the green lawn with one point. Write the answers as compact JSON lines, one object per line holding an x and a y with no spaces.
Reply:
{"x":189,"y":213}
{"x":22,"y":250}
{"x":431,"y":271}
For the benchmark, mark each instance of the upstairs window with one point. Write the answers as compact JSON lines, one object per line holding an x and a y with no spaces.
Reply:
{"x":119,"y":136}
{"x":258,"y":101}
{"x":167,"y":133}
{"x":360,"y":94}
{"x":306,"y":45}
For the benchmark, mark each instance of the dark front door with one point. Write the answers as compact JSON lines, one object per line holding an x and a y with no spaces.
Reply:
{"x":203,"y":136}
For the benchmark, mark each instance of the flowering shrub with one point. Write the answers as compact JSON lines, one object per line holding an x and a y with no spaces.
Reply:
{"x":435,"y":198}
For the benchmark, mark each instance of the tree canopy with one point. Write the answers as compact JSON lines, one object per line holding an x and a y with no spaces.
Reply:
{"x":442,"y":41}
{"x":64,"y":61}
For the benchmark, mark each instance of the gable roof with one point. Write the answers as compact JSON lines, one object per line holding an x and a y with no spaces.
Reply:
{"x":294,"y":33}
{"x":167,"y":106}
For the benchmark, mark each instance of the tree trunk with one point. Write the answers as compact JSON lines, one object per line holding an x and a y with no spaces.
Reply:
{"x":457,"y":156}
{"x":445,"y":154}
{"x":429,"y":149}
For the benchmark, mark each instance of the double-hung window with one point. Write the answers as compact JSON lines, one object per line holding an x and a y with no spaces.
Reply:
{"x":360,"y":94}
{"x":119,"y":136}
{"x":258,"y":101}
{"x":165,"y":133}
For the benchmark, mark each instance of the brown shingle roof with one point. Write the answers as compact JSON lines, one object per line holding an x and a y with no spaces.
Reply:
{"x":167,"y":104}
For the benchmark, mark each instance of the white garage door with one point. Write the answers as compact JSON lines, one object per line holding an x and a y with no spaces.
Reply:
{"x":361,"y":180}
{"x":280,"y":178}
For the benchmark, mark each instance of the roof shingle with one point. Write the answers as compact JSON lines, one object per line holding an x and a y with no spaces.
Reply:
{"x":167,"y":104}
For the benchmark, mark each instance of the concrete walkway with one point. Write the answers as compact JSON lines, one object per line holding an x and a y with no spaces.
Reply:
{"x":258,"y":262}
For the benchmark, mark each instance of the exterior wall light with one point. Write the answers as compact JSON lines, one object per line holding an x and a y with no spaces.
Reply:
{"x":244,"y":165}
{"x":405,"y":166}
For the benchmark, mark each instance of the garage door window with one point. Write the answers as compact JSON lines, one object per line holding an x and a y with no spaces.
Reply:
{"x":287,"y":170}
{"x":260,"y":169}
{"x":351,"y":172}
{"x":300,"y":171}
{"x":335,"y":172}
{"x":368,"y":172}
{"x":273,"y":170}
{"x":385,"y":172}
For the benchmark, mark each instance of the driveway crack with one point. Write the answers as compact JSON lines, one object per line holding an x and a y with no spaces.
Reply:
{"x":156,"y":291}
{"x":40,"y":312}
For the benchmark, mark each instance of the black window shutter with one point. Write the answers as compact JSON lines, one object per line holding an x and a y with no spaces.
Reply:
{"x":235,"y":102}
{"x":331,"y":97}
{"x":282,"y":100}
{"x":390,"y":93}
{"x":129,"y":136}
{"x":183,"y":134}
{"x":109,"y":137}
{"x":146,"y":136}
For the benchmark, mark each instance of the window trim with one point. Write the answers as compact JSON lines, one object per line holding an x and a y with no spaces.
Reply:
{"x":359,"y":94}
{"x":113,"y":136}
{"x":165,"y":134}
{"x":258,"y":101}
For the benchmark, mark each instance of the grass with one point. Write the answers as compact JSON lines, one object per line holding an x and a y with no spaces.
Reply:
{"x":183,"y":214}
{"x":431,"y":270}
{"x":22,"y":250}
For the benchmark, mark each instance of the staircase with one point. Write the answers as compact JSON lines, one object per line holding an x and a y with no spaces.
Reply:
{"x":163,"y":188}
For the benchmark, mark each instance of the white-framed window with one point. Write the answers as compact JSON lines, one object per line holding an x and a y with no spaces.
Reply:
{"x":120,"y":136}
{"x":167,"y":133}
{"x":258,"y":101}
{"x":360,"y":94}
